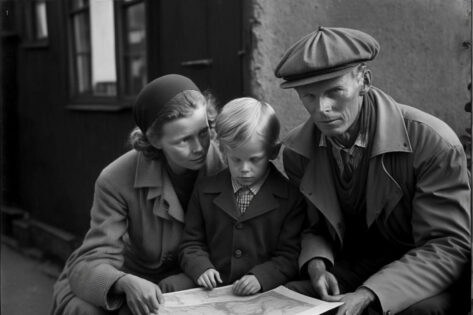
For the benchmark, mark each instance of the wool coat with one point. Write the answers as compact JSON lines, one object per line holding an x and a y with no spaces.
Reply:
{"x":417,"y":193}
{"x":264,"y":241}
{"x":136,"y":227}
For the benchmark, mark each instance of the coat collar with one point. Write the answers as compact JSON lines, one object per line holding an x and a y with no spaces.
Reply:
{"x":390,"y":136}
{"x":150,"y":173}
{"x":263,"y":202}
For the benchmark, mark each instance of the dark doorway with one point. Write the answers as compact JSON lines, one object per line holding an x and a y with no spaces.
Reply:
{"x":201,"y":39}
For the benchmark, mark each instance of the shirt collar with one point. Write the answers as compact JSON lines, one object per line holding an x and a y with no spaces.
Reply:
{"x":253,"y":188}
{"x":361,"y":142}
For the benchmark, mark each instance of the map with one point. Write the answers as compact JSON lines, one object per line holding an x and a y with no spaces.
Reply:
{"x":221,"y":301}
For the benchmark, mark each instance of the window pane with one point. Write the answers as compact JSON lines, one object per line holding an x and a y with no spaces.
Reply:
{"x":94,"y":48}
{"x":81,"y":33}
{"x":41,"y":27}
{"x":135,"y":73}
{"x":135,"y":48}
{"x":83,"y":73}
{"x":104,"y":74}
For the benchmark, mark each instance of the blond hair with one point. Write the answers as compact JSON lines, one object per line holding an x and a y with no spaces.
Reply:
{"x":241,"y":118}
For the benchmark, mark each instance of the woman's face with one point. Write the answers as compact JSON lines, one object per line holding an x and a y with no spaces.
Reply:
{"x":185,"y":141}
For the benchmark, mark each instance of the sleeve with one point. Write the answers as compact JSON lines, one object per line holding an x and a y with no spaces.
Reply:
{"x":100,"y":258}
{"x":193,"y":251}
{"x":282,"y":266}
{"x":315,"y":242}
{"x":441,"y":233}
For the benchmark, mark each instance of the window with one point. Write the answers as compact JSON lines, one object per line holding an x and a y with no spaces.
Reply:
{"x":134,"y":46}
{"x":36,"y":23}
{"x":108,"y":50}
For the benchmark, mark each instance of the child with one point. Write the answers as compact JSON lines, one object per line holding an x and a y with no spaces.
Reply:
{"x":243,"y":224}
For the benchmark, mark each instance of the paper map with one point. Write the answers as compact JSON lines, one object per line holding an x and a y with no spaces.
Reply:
{"x":221,"y":301}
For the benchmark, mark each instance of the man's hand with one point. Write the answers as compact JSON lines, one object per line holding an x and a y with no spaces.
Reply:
{"x":356,"y":302}
{"x":209,"y":279}
{"x":247,"y":285}
{"x":142,"y":296}
{"x":324,"y":283}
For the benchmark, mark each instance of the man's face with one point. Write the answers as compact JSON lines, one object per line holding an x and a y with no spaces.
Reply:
{"x":333,"y":104}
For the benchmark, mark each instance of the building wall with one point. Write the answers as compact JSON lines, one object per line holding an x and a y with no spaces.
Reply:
{"x":423,"y":60}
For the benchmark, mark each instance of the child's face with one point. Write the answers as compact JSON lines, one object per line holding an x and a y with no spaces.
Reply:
{"x":249,"y":162}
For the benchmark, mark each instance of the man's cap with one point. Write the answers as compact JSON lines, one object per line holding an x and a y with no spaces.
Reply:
{"x":155,"y":95}
{"x":327,"y":53}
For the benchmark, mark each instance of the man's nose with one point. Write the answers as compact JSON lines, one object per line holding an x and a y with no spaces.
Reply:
{"x":322,"y":104}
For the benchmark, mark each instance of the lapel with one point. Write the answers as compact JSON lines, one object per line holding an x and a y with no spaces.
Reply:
{"x":150,"y":174}
{"x":265,"y":200}
{"x":317,"y":182}
{"x":318,"y":187}
{"x":221,"y":186}
{"x":383,"y":193}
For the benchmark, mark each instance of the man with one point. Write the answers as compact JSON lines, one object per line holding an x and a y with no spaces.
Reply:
{"x":387,"y":186}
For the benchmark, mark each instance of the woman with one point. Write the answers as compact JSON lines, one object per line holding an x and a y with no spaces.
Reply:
{"x":138,"y":209}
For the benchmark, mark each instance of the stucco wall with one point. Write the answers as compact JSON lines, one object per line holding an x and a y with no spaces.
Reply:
{"x":423,"y":61}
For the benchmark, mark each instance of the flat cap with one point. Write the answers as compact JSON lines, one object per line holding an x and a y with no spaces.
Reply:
{"x":327,"y":53}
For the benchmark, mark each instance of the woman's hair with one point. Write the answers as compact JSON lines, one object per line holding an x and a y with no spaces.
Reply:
{"x":181,"y":105}
{"x":241,"y":118}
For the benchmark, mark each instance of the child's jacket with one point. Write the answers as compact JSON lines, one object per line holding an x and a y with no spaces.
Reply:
{"x":264,"y":241}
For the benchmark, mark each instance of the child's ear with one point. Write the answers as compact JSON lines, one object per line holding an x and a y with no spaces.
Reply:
{"x":275,"y":151}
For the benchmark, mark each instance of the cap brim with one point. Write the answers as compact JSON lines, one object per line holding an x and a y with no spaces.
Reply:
{"x":317,"y":78}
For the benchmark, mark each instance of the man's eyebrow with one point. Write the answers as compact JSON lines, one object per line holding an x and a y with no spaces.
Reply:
{"x":335,"y":87}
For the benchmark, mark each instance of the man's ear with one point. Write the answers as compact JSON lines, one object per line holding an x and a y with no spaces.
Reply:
{"x":366,"y":81}
{"x":275,"y":151}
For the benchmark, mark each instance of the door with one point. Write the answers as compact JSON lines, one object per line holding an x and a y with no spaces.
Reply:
{"x":201,"y":39}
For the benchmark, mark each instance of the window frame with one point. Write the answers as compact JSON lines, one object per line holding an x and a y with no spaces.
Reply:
{"x":120,"y":18}
{"x":90,"y":102}
{"x":30,"y":25}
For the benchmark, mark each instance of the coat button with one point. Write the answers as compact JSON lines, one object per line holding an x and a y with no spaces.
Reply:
{"x":239,"y":226}
{"x":237,"y":253}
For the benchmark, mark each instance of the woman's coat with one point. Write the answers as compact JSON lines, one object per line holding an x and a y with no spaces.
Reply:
{"x":136,"y":227}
